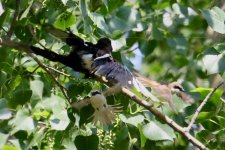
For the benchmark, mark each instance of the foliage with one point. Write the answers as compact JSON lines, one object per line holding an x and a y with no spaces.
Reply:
{"x":176,"y":40}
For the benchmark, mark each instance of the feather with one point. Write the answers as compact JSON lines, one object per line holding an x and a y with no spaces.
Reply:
{"x":104,"y":113}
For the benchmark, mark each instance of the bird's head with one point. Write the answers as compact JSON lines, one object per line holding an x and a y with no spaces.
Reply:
{"x":175,"y":87}
{"x":98,"y":100}
{"x":104,"y":47}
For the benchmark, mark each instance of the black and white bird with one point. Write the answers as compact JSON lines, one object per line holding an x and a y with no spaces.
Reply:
{"x":94,"y":60}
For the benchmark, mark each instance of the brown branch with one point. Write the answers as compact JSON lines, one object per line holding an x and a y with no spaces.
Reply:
{"x":201,"y":106}
{"x":125,"y":91}
{"x":25,"y":48}
{"x":62,"y":88}
{"x":164,"y":118}
{"x":13,"y":23}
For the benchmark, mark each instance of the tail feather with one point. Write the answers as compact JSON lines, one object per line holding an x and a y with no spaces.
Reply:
{"x":142,"y":89}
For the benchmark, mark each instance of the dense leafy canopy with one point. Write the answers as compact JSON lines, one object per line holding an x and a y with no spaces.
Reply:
{"x":165,"y":40}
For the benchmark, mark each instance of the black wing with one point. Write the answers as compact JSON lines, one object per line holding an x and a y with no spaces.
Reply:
{"x":112,"y":71}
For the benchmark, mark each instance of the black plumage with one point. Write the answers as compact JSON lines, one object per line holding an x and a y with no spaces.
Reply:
{"x":94,"y":60}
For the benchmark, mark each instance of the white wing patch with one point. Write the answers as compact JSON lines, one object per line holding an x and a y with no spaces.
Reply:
{"x":87,"y":61}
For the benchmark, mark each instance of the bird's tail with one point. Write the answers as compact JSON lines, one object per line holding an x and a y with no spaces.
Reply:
{"x":142,"y":89}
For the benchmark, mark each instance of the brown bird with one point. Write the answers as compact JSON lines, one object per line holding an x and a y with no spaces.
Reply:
{"x":165,"y":91}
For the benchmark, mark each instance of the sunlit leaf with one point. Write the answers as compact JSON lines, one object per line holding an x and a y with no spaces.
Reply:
{"x":3,"y":139}
{"x":8,"y":147}
{"x":156,"y":131}
{"x":22,"y":121}
{"x":64,"y":21}
{"x":99,"y":21}
{"x":37,"y":88}
{"x":215,"y":18}
{"x":142,"y":136}
{"x":214,"y":62}
{"x":135,"y":120}
{"x":59,"y":120}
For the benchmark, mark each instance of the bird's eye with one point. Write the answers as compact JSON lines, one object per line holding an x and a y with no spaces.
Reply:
{"x":97,"y":108}
{"x":104,"y":105}
{"x":179,"y":88}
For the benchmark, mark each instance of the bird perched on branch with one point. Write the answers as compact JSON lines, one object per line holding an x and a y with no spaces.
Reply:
{"x":165,"y":91}
{"x":94,"y":60}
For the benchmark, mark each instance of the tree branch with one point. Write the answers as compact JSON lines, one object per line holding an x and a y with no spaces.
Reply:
{"x":125,"y":91}
{"x":164,"y":118}
{"x":62,"y":88}
{"x":201,"y":106}
{"x":27,"y":49}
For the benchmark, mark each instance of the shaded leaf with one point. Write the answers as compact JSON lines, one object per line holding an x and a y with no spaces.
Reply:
{"x":5,"y":113}
{"x":87,"y":142}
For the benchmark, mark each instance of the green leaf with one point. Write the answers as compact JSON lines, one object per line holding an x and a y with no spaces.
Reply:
{"x":5,"y":113}
{"x":52,"y":103}
{"x":142,"y":136}
{"x":59,"y":120}
{"x":214,"y":99}
{"x":203,"y":116}
{"x":65,"y":20}
{"x":156,"y":131}
{"x":36,"y":139}
{"x":86,"y":18}
{"x":179,"y":105}
{"x":213,"y":62}
{"x":8,"y":147}
{"x":215,"y":18}
{"x":179,"y":44}
{"x":37,"y":88}
{"x":135,"y":120}
{"x":125,"y":19}
{"x":22,"y":121}
{"x":122,"y":134}
{"x":99,"y":21}
{"x":87,"y":142}
{"x":21,"y":94}
{"x":69,"y":144}
{"x":106,"y":3}
{"x":3,"y":139}
{"x":26,"y":12}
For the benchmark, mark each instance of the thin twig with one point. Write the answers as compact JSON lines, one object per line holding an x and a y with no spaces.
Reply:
{"x":56,"y":70}
{"x":13,"y":23}
{"x":201,"y":106}
{"x":62,"y":88}
{"x":130,"y":50}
